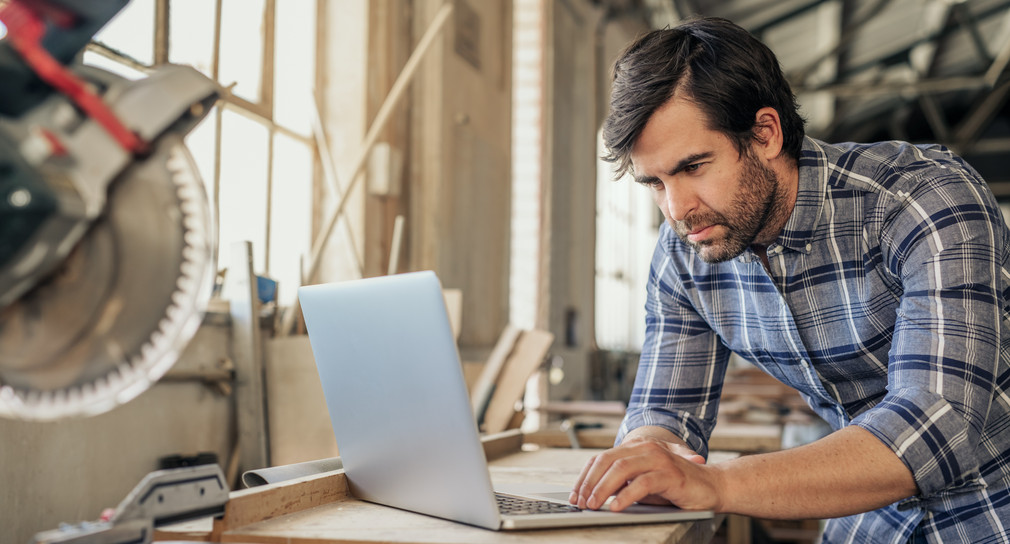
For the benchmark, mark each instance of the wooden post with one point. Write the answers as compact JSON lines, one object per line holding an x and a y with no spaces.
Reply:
{"x":247,"y":353}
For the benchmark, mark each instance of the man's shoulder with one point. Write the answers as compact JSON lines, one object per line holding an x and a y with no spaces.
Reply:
{"x":883,"y":167}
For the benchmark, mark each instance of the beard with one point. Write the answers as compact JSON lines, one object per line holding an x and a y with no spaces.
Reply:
{"x":757,"y":202}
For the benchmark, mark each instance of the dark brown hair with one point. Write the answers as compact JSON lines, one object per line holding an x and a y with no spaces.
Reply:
{"x":716,"y":64}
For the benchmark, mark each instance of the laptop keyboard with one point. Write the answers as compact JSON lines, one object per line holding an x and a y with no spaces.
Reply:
{"x":513,"y":506}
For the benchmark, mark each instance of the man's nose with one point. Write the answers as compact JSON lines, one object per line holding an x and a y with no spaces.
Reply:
{"x":680,"y":202}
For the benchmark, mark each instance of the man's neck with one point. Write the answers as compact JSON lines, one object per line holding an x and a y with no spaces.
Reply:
{"x":762,"y":252}
{"x":789,"y":179}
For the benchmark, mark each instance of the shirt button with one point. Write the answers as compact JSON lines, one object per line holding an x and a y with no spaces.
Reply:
{"x":809,"y":247}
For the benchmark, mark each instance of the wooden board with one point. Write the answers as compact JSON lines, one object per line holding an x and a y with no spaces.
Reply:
{"x":481,"y":392}
{"x":251,"y":506}
{"x":530,"y":350}
{"x":588,"y":438}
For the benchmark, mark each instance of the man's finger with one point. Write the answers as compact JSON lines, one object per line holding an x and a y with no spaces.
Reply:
{"x":617,"y":476}
{"x":592,"y":474}
{"x":644,"y":487}
{"x":574,"y":497}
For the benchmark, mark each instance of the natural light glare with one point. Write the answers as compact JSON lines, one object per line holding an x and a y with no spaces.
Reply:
{"x":291,"y":215}
{"x":294,"y":64}
{"x":94,"y":59}
{"x":243,"y":191}
{"x":626,"y":230}
{"x":242,"y":47}
{"x":131,"y":31}
{"x":3,"y":30}
{"x":191,"y":34}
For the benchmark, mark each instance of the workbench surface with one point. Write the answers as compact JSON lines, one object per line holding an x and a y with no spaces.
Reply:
{"x":341,"y":518}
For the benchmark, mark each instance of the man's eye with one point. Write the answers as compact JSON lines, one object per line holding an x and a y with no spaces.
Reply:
{"x":692,"y":167}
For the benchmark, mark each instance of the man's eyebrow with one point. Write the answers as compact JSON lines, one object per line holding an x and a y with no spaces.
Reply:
{"x":682,"y":164}
{"x":687,"y":161}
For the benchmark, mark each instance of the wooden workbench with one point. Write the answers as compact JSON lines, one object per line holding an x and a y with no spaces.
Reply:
{"x":318,"y":509}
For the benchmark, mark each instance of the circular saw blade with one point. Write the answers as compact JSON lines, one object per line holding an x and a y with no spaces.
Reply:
{"x":117,"y":314}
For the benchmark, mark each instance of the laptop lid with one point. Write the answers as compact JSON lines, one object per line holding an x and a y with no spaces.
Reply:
{"x":394,"y":389}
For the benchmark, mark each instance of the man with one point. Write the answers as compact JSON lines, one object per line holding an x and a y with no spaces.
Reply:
{"x":872,"y":278}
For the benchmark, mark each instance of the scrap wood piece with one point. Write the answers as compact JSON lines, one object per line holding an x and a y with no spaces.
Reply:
{"x":530,"y":350}
{"x":484,"y":387}
{"x":258,"y":504}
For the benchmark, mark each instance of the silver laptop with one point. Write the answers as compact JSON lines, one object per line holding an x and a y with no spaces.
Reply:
{"x":394,"y":388}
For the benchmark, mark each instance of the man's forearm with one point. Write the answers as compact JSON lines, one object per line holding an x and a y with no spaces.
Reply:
{"x":847,"y":472}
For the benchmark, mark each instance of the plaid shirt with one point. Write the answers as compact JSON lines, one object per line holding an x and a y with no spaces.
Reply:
{"x":886,"y":307}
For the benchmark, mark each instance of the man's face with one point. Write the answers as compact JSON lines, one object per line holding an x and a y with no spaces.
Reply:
{"x":716,"y":200}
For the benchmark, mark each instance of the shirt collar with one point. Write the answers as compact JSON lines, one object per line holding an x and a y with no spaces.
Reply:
{"x":802,"y":223}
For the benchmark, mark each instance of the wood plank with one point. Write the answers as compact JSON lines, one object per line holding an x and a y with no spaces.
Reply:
{"x":588,"y":438}
{"x":482,"y":390}
{"x":529,"y":353}
{"x":585,"y":407}
{"x":250,"y":506}
{"x":460,"y":161}
{"x":499,"y":445}
{"x":240,"y":288}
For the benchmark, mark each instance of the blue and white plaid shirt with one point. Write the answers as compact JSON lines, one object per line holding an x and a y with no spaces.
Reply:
{"x":886,"y":307}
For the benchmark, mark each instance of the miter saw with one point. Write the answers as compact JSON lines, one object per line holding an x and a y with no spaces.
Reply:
{"x":106,"y":244}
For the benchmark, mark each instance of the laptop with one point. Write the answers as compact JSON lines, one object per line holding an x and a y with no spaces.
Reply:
{"x":393,"y":382}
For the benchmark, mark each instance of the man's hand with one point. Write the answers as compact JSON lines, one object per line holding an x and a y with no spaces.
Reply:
{"x":847,"y":472}
{"x":648,"y":469}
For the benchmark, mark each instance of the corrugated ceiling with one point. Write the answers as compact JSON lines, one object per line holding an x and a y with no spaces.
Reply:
{"x":864,"y":70}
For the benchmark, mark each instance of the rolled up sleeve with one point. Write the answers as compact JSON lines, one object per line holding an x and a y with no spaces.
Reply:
{"x":945,"y":350}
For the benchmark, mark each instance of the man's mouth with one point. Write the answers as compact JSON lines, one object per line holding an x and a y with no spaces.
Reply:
{"x":700,"y":234}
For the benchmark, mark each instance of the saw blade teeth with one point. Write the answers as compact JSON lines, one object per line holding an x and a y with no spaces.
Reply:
{"x":173,"y":312}
{"x":75,"y":395}
{"x":193,"y":239}
{"x":114,"y":378}
{"x":188,"y":270}
{"x":164,"y":330}
{"x":123,"y":372}
{"x":178,"y":297}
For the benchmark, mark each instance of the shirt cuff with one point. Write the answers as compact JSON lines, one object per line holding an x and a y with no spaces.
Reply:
{"x":683,"y":424}
{"x":928,"y":435}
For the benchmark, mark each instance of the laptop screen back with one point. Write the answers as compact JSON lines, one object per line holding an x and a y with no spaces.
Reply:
{"x":394,"y":389}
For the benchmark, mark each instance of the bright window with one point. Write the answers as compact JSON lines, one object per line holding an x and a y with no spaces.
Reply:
{"x":255,"y":150}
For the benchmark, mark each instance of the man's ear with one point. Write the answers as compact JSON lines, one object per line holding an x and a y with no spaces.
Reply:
{"x":767,"y":133}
